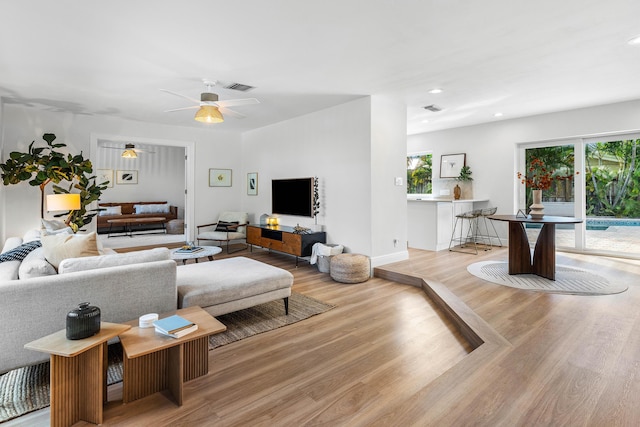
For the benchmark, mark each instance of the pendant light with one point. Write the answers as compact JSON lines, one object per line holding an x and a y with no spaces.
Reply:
{"x":129,"y":152}
{"x":209,"y":114}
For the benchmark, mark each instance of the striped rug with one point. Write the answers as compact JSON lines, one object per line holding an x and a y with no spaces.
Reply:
{"x":569,"y":280}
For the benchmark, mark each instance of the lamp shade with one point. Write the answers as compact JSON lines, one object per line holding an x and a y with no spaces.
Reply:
{"x":209,"y":114}
{"x":63,"y":202}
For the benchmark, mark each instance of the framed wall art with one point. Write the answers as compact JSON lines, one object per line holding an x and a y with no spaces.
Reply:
{"x":219,"y":177}
{"x":450,"y":165}
{"x":126,"y":177}
{"x":252,"y":183}
{"x":103,"y":175}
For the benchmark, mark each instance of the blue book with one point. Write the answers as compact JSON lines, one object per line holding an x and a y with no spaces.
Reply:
{"x":173,"y":325}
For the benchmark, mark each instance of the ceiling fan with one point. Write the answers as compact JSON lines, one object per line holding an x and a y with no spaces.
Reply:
{"x":130,"y":151}
{"x":210,"y":109}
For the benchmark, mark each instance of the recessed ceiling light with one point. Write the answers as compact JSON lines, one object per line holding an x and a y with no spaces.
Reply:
{"x":425,"y":121}
{"x":498,"y":115}
{"x":634,"y":41}
{"x":436,"y":90}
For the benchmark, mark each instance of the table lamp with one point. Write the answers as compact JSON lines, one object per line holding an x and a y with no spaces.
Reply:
{"x":63,"y":202}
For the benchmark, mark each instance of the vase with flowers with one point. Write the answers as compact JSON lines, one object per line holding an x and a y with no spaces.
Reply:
{"x":539,"y":178}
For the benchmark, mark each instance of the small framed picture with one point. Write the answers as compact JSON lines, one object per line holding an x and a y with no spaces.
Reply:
{"x":104,"y":175}
{"x":450,"y":165}
{"x":219,"y":177}
{"x":126,"y":177}
{"x":252,"y":183}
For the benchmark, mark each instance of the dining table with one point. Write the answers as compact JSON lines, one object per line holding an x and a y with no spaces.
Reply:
{"x":543,"y":262}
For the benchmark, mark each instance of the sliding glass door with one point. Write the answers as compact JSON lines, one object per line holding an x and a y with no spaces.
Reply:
{"x":612,"y":195}
{"x":597,"y":179}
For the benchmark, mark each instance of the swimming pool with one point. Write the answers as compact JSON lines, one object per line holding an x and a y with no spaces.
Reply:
{"x":602,"y":223}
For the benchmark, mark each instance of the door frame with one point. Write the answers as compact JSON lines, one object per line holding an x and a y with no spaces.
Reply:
{"x":189,"y":146}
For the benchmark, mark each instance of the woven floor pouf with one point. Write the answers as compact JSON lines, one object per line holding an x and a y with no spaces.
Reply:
{"x":350,"y":268}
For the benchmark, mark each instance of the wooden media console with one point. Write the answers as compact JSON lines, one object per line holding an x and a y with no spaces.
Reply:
{"x":283,"y":239}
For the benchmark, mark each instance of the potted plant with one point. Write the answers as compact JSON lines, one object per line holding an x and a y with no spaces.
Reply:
{"x":465,"y":176}
{"x":43,"y":165}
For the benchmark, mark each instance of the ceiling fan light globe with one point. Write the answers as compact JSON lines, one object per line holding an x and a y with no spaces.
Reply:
{"x":209,"y":114}
{"x":129,"y":154}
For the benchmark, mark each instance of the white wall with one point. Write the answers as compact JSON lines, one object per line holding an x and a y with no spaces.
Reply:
{"x":213,"y":148}
{"x":332,"y":144}
{"x":491,"y":148}
{"x":388,"y":162}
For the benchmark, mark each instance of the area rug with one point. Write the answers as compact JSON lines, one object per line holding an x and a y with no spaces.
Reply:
{"x":569,"y":280}
{"x":266,"y":317}
{"x":24,"y":390}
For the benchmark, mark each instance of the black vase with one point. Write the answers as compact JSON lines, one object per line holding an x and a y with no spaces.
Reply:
{"x":83,"y":322}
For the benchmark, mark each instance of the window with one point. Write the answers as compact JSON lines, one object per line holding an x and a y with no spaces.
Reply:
{"x":419,"y":172}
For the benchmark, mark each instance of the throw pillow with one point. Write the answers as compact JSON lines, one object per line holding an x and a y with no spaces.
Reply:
{"x":151,"y":208}
{"x":33,"y":234}
{"x":35,"y":265}
{"x":45,"y":232}
{"x":19,"y":253}
{"x":12,"y":243}
{"x":227,"y":226}
{"x":62,"y":246}
{"x":53,"y":224}
{"x":110,"y":210}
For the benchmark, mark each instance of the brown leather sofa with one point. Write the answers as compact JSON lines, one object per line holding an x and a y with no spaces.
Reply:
{"x":128,"y":211}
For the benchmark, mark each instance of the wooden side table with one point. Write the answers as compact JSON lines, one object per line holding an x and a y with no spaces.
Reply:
{"x":154,"y":362}
{"x":78,"y":374}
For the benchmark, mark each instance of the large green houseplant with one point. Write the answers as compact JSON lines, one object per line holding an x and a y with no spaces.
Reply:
{"x":43,"y":165}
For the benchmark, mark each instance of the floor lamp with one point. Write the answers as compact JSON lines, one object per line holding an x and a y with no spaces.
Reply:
{"x":63,"y":202}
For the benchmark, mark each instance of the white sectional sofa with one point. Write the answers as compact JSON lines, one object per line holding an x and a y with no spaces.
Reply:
{"x":123,"y":286}
{"x":35,"y":297}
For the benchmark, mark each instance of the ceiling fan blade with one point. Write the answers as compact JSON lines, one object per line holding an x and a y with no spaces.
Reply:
{"x":196,"y":101}
{"x":231,"y":113}
{"x":183,"y":108}
{"x":236,"y":102}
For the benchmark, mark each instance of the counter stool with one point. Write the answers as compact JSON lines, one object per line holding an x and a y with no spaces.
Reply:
{"x":488,"y":236}
{"x":462,"y":244}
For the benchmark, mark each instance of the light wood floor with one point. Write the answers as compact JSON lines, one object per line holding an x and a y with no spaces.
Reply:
{"x":387,"y":355}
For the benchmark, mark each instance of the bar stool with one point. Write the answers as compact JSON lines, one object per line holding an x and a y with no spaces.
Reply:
{"x":488,"y":237}
{"x":472,"y":232}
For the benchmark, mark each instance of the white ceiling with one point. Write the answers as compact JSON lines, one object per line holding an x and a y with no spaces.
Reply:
{"x":511,"y":56}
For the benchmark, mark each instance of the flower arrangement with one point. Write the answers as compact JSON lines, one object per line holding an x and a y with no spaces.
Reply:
{"x":539,"y":177}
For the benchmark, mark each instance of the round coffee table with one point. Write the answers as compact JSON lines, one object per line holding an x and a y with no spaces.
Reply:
{"x":206,"y":251}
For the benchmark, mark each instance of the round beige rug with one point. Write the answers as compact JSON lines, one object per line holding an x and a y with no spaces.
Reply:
{"x":569,"y":280}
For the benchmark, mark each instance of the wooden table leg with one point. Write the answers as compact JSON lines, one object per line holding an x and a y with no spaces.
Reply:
{"x":544,"y":254}
{"x":519,"y":250}
{"x":77,"y":387}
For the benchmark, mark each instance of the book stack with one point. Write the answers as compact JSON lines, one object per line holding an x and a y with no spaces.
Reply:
{"x":175,"y":326}
{"x":188,"y":249}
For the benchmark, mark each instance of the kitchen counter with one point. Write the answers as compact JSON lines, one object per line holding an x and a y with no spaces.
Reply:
{"x":431,"y":220}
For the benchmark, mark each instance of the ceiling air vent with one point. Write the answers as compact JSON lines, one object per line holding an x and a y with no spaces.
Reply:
{"x":433,"y":108}
{"x":239,"y":86}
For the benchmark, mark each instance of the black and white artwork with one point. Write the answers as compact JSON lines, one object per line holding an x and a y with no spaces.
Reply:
{"x":126,"y":177}
{"x":252,"y":184}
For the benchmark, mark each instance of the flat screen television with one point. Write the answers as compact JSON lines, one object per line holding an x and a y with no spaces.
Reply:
{"x":292,"y":196}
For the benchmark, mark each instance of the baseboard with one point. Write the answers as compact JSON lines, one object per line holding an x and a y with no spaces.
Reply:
{"x":389,"y":258}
